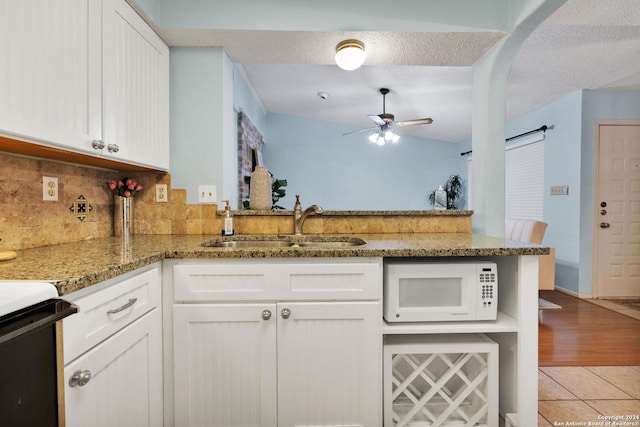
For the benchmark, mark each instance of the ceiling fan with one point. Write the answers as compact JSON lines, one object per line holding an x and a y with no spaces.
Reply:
{"x":385,"y":121}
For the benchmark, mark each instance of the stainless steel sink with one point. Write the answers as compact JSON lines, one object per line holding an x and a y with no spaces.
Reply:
{"x":293,"y":242}
{"x":248,"y":244}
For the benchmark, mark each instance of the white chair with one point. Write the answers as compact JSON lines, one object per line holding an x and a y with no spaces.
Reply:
{"x":532,"y":231}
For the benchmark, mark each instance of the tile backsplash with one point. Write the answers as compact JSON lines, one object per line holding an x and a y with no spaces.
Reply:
{"x":84,"y":209}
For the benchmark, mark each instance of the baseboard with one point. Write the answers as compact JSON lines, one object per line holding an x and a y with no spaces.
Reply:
{"x":574,"y":293}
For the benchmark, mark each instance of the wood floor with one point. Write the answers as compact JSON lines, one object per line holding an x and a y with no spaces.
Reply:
{"x":584,"y":334}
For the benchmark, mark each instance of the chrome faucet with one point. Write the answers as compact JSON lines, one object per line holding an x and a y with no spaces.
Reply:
{"x":299,"y":216}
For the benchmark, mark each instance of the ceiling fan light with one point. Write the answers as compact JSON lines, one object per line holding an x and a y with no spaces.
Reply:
{"x":395,"y":138}
{"x":381,"y":141}
{"x":373,"y":137}
{"x":388,"y":135}
{"x":350,"y":54}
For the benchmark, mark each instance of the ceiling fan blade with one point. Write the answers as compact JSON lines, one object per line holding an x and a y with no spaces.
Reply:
{"x":425,"y":121}
{"x":376,"y":119}
{"x":359,"y":130}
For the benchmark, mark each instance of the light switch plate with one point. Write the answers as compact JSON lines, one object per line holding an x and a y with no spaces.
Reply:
{"x":161,"y":193}
{"x":206,"y":193}
{"x":49,"y":189}
{"x":560,"y":190}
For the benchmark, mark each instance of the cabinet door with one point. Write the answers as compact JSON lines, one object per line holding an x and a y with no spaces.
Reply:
{"x":50,"y":75}
{"x":135,"y":88}
{"x":125,"y":388}
{"x":225,"y":365}
{"x":329,"y":364}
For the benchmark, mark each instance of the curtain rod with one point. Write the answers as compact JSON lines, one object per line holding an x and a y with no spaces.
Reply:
{"x":542,"y":128}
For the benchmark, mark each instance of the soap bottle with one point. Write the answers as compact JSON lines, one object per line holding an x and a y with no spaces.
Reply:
{"x":228,"y":220}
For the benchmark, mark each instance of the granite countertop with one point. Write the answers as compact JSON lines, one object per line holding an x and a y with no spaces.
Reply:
{"x":73,"y":266}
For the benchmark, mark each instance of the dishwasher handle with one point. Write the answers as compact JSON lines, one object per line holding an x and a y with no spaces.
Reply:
{"x":35,"y":317}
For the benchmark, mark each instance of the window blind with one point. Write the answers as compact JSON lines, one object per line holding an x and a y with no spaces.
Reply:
{"x":524,"y":179}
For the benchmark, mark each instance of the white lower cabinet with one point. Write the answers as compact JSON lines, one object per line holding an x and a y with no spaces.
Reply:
{"x":279,"y":362}
{"x":125,"y":388}
{"x":113,"y":353}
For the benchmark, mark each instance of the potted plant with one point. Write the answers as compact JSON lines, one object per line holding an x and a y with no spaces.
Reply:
{"x":453,"y":188}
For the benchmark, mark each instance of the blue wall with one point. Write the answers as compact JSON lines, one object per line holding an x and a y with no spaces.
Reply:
{"x":570,"y":160}
{"x":196,"y":109}
{"x":349,"y":172}
{"x":562,"y":167}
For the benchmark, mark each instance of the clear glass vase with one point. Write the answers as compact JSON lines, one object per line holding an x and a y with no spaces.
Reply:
{"x":122,"y":216}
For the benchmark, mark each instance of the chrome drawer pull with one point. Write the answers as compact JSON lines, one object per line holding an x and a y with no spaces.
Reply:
{"x":124,"y":307}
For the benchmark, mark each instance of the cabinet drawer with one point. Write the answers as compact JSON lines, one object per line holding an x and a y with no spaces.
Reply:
{"x":277,"y":281}
{"x":108,"y":307}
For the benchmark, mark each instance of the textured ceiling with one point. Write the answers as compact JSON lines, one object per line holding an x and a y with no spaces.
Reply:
{"x":586,"y":44}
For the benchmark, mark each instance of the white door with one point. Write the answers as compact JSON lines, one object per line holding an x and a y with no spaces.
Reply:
{"x":225,"y":365}
{"x":329,"y":364}
{"x":135,"y":88}
{"x":125,"y":388}
{"x":617,"y":222}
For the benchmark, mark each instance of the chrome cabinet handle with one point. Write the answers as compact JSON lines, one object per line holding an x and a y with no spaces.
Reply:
{"x":79,"y":378}
{"x":97,"y":144}
{"x":113,"y":148}
{"x":285,"y":313}
{"x":266,"y":314}
{"x":123,"y":307}
{"x":605,"y":225}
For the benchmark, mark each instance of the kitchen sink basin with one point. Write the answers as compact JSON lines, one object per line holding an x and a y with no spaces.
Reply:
{"x":248,"y":244}
{"x":293,"y":242}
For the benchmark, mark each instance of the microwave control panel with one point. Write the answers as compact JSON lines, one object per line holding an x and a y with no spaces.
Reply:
{"x":488,"y":282}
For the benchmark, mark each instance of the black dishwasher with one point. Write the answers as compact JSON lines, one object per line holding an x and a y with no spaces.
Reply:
{"x":29,"y":364}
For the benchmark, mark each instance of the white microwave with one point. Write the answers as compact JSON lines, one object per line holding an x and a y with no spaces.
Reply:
{"x":440,"y":292}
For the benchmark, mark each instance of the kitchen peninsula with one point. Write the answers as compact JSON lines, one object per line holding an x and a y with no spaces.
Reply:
{"x":78,"y":268}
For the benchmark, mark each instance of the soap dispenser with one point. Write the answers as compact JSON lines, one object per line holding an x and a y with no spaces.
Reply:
{"x":228,"y":220}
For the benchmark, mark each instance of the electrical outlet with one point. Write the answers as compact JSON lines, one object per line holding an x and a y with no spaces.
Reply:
{"x":161,"y":193}
{"x":49,"y":189}
{"x":206,"y":193}
{"x":560,"y":190}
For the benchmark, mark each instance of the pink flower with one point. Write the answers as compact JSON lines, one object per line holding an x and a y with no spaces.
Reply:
{"x":126,"y":187}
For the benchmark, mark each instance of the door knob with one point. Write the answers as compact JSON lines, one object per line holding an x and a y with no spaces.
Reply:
{"x":603,"y":204}
{"x":79,"y":378}
{"x":605,"y":225}
{"x":285,"y":313}
{"x":603,"y":212}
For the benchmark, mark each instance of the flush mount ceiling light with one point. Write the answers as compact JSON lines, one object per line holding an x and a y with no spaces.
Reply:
{"x":350,"y":54}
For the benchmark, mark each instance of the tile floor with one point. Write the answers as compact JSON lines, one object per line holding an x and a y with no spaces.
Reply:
{"x":571,"y":395}
{"x":618,"y":308}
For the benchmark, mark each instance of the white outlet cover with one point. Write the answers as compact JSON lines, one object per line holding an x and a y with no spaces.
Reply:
{"x":161,"y":193}
{"x":49,"y":189}
{"x":206,"y":193}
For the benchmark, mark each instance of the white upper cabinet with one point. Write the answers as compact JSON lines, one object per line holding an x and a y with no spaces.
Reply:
{"x":86,"y":76}
{"x":49,"y":60}
{"x":135,"y":78}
